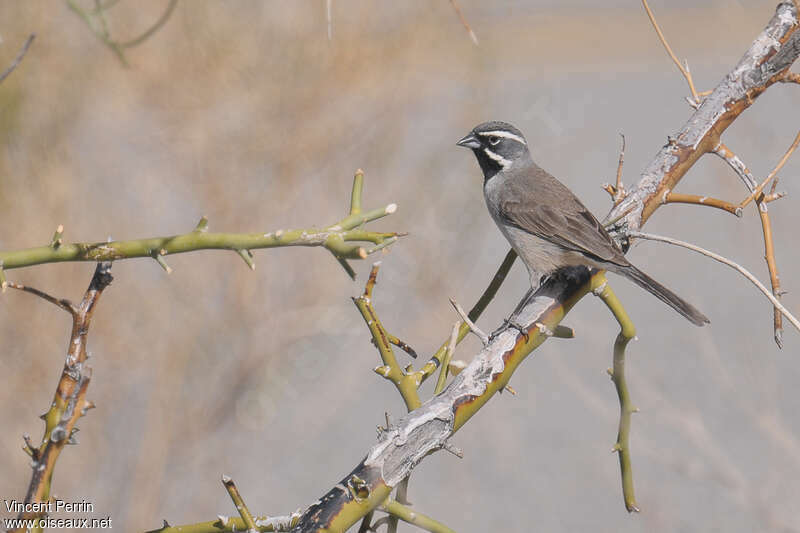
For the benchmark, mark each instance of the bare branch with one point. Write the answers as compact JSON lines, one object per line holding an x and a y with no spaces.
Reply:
{"x":62,"y":303}
{"x":757,"y":192}
{"x":683,"y":68}
{"x":675,"y":198}
{"x":19,"y":57}
{"x":464,"y":22}
{"x":69,"y":402}
{"x":725,"y":261}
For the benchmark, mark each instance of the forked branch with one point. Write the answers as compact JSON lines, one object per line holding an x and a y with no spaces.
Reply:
{"x":69,"y":402}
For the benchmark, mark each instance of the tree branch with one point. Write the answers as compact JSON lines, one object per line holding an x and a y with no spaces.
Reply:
{"x":428,"y":428}
{"x":69,"y":402}
{"x":726,"y":261}
{"x":18,"y":59}
{"x":627,"y":332}
{"x":765,"y":62}
{"x":344,"y":239}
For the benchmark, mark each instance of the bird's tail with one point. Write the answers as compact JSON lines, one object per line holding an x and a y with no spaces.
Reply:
{"x":662,"y":293}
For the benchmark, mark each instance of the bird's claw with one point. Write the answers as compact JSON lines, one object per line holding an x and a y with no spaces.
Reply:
{"x":508,"y":323}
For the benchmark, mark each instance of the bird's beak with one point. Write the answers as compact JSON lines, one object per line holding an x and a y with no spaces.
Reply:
{"x":470,"y":141}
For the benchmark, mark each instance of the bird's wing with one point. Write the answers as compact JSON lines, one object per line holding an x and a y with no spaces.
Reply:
{"x":556,"y":215}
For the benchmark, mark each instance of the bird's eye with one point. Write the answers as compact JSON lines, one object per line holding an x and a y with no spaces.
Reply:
{"x":494,"y":140}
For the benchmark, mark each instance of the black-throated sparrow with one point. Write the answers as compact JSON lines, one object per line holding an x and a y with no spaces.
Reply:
{"x":545,"y":223}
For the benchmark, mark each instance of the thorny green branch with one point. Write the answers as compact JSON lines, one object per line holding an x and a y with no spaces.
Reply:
{"x":344,"y":239}
{"x":405,"y":381}
{"x":627,"y":332}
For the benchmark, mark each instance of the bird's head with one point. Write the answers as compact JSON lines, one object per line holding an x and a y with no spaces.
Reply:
{"x":497,"y":145}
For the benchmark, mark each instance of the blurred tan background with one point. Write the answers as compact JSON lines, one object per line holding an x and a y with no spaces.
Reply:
{"x":247,"y":113}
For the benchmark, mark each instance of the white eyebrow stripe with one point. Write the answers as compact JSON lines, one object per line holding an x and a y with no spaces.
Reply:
{"x":504,"y":134}
{"x":502,"y":161}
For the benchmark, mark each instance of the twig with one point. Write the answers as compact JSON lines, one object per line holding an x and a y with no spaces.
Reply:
{"x":464,"y":22}
{"x":406,"y":381}
{"x":772,"y":267}
{"x":757,"y":192}
{"x":617,"y":191}
{"x":343,"y":239}
{"x":728,"y":262}
{"x":398,"y":510}
{"x":355,"y":196}
{"x":474,"y":313}
{"x":56,"y":241}
{"x":329,"y":17}
{"x":601,"y":288}
{"x":69,"y":402}
{"x":154,"y":28}
{"x":402,"y":345}
{"x":62,"y":303}
{"x":736,"y":164}
{"x":684,"y":69}
{"x":470,"y":324}
{"x":451,"y":347}
{"x":18,"y":59}
{"x":675,"y":198}
{"x":102,"y":32}
{"x":244,"y":512}
{"x":766,"y":225}
{"x":366,"y":523}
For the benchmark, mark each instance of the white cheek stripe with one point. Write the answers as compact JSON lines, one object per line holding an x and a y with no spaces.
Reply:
{"x":502,"y":161}
{"x":504,"y":134}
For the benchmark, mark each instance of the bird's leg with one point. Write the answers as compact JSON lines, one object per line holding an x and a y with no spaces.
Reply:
{"x":510,"y":322}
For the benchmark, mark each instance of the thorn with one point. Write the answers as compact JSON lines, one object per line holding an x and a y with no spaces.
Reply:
{"x":29,"y":448}
{"x":223,"y":520}
{"x":563,"y":332}
{"x":160,"y":260}
{"x":347,"y":268}
{"x":226,"y":479}
{"x":202,"y":225}
{"x":635,"y":410}
{"x":391,"y":208}
{"x":247,"y":256}
{"x":3,"y":282}
{"x":610,"y":372}
{"x":55,"y":242}
{"x":388,"y":419}
{"x":617,"y":448}
{"x":511,"y":390}
{"x":383,"y":370}
{"x":86,"y":406}
{"x":598,"y":291}
{"x":165,"y":525}
{"x":454,"y":450}
{"x":381,"y":246}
